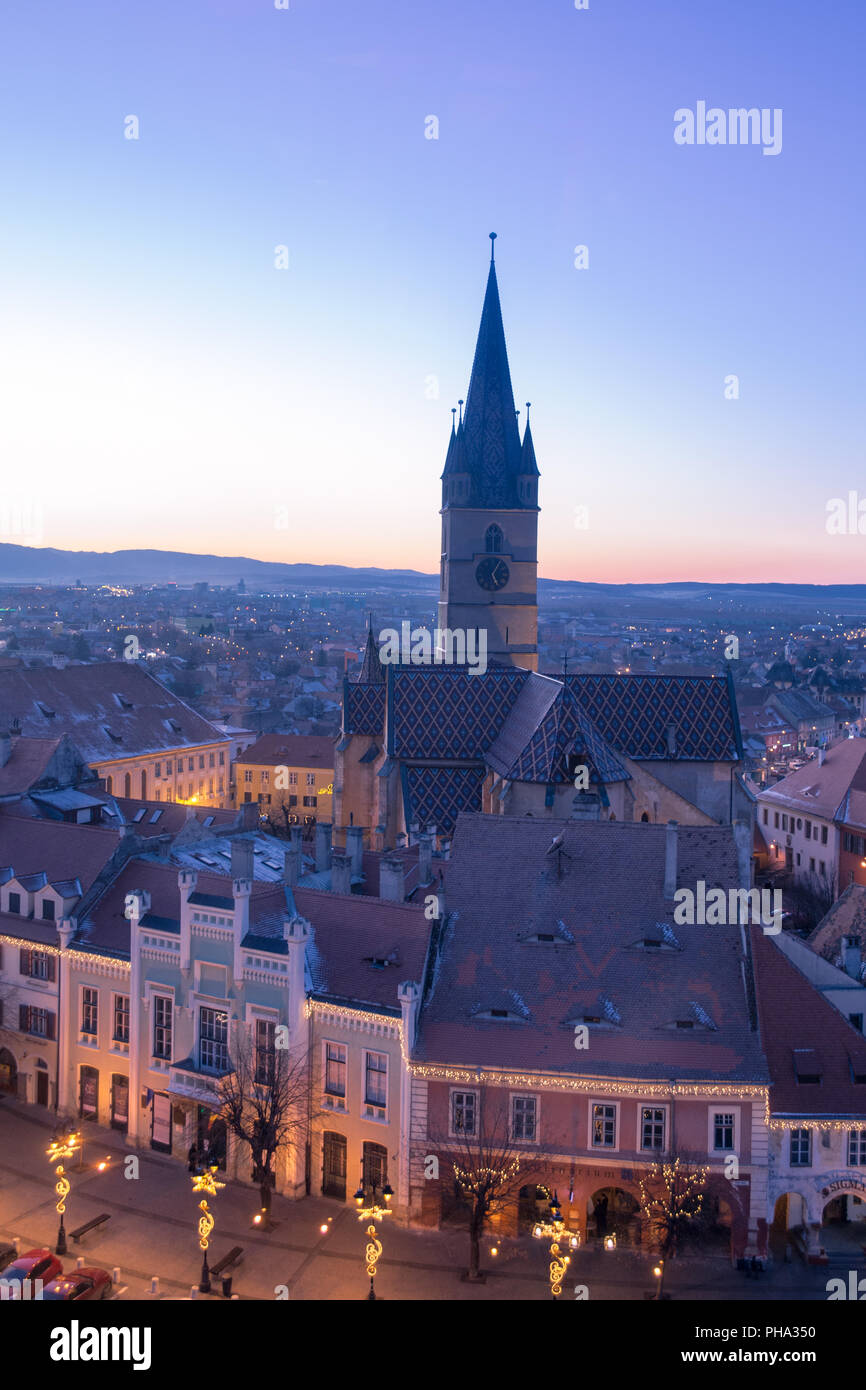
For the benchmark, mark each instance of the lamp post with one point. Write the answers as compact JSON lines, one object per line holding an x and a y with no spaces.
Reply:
{"x":370,"y":1210}
{"x":205,"y":1181}
{"x":61,"y":1148}
{"x":554,"y":1229}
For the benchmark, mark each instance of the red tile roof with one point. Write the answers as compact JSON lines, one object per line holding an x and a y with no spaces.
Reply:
{"x":599,"y":899}
{"x":291,"y":750}
{"x":795,"y":1019}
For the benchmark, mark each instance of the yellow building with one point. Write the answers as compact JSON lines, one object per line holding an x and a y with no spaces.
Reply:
{"x":291,"y":774}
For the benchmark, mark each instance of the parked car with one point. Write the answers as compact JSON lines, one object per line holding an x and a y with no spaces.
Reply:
{"x":33,"y":1265}
{"x":79,"y":1283}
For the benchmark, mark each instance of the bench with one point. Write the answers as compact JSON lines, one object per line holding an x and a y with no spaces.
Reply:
{"x":232,"y":1258}
{"x":90,"y":1225}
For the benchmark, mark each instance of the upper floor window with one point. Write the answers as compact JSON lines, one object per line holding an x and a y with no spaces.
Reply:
{"x":89,"y":1010}
{"x":493,"y":539}
{"x":311,"y":779}
{"x":14,"y":902}
{"x":652,"y":1127}
{"x":604,"y":1126}
{"x":213,"y":1040}
{"x":162,"y":1015}
{"x":335,"y":1069}
{"x":463,"y":1107}
{"x":266,"y":1033}
{"x":523,"y":1117}
{"x":121,"y":1018}
{"x":801,"y":1148}
{"x":723,"y":1130}
{"x":857,"y":1148}
{"x":37,"y":965}
{"x":376,"y":1079}
{"x":48,"y":906}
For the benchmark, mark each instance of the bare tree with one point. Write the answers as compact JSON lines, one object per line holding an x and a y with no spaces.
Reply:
{"x":672,"y":1200}
{"x":485,"y":1164}
{"x":264,"y":1102}
{"x":811,"y":898}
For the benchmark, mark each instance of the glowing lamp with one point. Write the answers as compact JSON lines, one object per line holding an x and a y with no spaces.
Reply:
{"x":610,"y":1242}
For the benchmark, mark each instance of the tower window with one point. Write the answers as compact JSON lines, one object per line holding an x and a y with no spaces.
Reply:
{"x":493,"y":539}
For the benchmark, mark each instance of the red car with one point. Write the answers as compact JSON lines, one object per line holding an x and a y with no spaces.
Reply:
{"x":32,"y":1265}
{"x":79,"y":1283}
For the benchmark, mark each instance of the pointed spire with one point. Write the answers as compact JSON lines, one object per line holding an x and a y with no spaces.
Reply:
{"x":527,"y":453}
{"x":371,"y":672}
{"x":492,"y":435}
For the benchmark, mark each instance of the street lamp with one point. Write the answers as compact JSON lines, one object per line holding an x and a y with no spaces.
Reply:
{"x":62,"y":1147}
{"x":659,"y":1273}
{"x":554,"y":1229}
{"x":370,"y":1210}
{"x":205,"y":1181}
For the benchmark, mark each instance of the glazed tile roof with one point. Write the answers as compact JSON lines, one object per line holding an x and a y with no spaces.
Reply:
{"x":442,"y":712}
{"x":600,"y":897}
{"x":562,"y":729}
{"x":634,"y":712}
{"x":363,"y":708}
{"x":437,"y":795}
{"x":803,"y":1033}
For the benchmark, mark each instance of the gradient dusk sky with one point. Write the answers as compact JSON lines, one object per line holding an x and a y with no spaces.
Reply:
{"x":165,"y":385}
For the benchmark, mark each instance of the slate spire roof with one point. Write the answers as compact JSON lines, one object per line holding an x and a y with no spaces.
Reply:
{"x":486,"y":444}
{"x":371,"y":672}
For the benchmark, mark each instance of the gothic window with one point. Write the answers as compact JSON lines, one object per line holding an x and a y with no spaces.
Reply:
{"x":493,"y":539}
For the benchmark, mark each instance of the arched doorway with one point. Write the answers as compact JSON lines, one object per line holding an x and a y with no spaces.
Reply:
{"x":611,"y":1211}
{"x":790,"y":1226}
{"x":8,"y":1072}
{"x":843,"y":1222}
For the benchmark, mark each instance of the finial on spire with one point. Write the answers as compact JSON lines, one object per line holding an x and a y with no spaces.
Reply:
{"x":528,"y":404}
{"x":453,"y":422}
{"x":460,"y":403}
{"x":492,"y":248}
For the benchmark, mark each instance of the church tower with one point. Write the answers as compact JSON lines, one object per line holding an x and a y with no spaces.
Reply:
{"x":488,"y":576}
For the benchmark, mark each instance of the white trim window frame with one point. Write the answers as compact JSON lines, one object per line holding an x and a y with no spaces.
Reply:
{"x":523,"y":1115}
{"x":719,"y":1127}
{"x":457,"y":1108}
{"x":648,"y":1114}
{"x":341,"y":1097}
{"x":599,"y":1115}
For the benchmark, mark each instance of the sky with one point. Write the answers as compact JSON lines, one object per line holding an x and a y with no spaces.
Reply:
{"x":167,"y":381}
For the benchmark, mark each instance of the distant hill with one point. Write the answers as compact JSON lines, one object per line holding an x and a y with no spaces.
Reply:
{"x":21,"y":564}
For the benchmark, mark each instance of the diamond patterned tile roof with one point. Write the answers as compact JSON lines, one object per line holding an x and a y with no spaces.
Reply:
{"x":561,"y":728}
{"x":437,"y":795}
{"x":633,"y":713}
{"x":440,"y":712}
{"x":363,"y":708}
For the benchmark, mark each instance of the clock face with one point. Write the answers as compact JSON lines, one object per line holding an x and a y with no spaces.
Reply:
{"x":492,"y":573}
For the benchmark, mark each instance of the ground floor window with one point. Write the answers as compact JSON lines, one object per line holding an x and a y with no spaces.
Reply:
{"x":88,"y":1102}
{"x":334,"y":1165}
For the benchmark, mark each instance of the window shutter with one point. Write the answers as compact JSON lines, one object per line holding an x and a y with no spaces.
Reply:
{"x":24,"y":1018}
{"x":24,"y":961}
{"x":52,"y":1029}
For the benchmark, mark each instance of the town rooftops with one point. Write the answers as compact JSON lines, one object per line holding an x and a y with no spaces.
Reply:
{"x":821,"y":787}
{"x":110,"y":710}
{"x":553,"y":925}
{"x":291,"y":750}
{"x":817,"y":1058}
{"x":27,"y":763}
{"x":63,"y":852}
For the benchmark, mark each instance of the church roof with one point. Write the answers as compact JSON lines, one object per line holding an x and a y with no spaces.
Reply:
{"x":561,"y":729}
{"x":487,"y":444}
{"x":509,"y":718}
{"x":527,"y":453}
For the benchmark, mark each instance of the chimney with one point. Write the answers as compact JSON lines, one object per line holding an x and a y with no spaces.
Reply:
{"x":341,"y":872}
{"x":671,"y":859}
{"x":392,"y":884}
{"x":242,"y":859}
{"x":291,"y":866}
{"x":851,"y":956}
{"x":5,"y":748}
{"x":425,"y":857}
{"x":251,"y":814}
{"x":446,"y":849}
{"x":324,"y":830}
{"x":743,"y":842}
{"x":355,"y":848}
{"x":413,"y":833}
